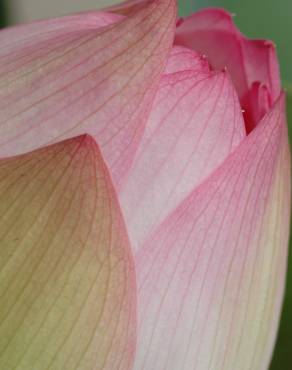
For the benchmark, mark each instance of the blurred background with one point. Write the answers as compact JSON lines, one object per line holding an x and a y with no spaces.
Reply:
{"x":257,"y":19}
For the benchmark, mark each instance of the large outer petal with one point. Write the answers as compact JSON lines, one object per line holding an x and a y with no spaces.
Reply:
{"x":67,"y":284}
{"x":74,"y":78}
{"x":212,"y":32}
{"x":211,"y":278}
{"x":20,"y":36}
{"x":195,"y":123}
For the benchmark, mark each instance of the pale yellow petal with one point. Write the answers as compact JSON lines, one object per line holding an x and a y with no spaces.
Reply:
{"x":67,"y":285}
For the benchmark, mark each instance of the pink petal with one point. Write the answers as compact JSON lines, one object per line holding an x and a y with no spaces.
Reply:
{"x":67,"y":280}
{"x":74,"y":78}
{"x":211,"y":278}
{"x":194,"y":125}
{"x":21,"y":36}
{"x":213,"y":33}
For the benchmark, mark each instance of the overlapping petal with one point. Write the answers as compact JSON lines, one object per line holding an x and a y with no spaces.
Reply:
{"x":206,"y":207}
{"x":211,"y":277}
{"x":67,"y":283}
{"x":195,"y":123}
{"x":76,"y":77}
{"x":248,"y":61}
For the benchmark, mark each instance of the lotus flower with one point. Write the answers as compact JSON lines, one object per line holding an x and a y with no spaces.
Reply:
{"x":144,"y":192}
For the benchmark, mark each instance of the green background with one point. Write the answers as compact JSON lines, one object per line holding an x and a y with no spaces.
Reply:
{"x":257,"y":19}
{"x":3,"y":15}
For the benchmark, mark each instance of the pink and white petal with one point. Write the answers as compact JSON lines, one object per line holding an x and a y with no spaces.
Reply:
{"x":83,"y":79}
{"x":17,"y":37}
{"x":248,"y":61}
{"x":67,"y":281}
{"x":195,"y":123}
{"x":211,"y":277}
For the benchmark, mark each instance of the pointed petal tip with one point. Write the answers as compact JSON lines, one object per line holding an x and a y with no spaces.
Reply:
{"x":85,"y":140}
{"x":220,"y":292}
{"x":195,"y":123}
{"x":65,"y":262}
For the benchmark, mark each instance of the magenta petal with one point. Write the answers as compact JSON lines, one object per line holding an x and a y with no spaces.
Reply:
{"x":73,"y":78}
{"x":211,"y":277}
{"x":213,"y":33}
{"x":195,"y":123}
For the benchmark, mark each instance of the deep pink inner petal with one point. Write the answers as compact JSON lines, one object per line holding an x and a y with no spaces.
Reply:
{"x":213,"y":33}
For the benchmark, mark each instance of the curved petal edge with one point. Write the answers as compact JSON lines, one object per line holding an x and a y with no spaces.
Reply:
{"x":67,"y":280}
{"x":211,"y":277}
